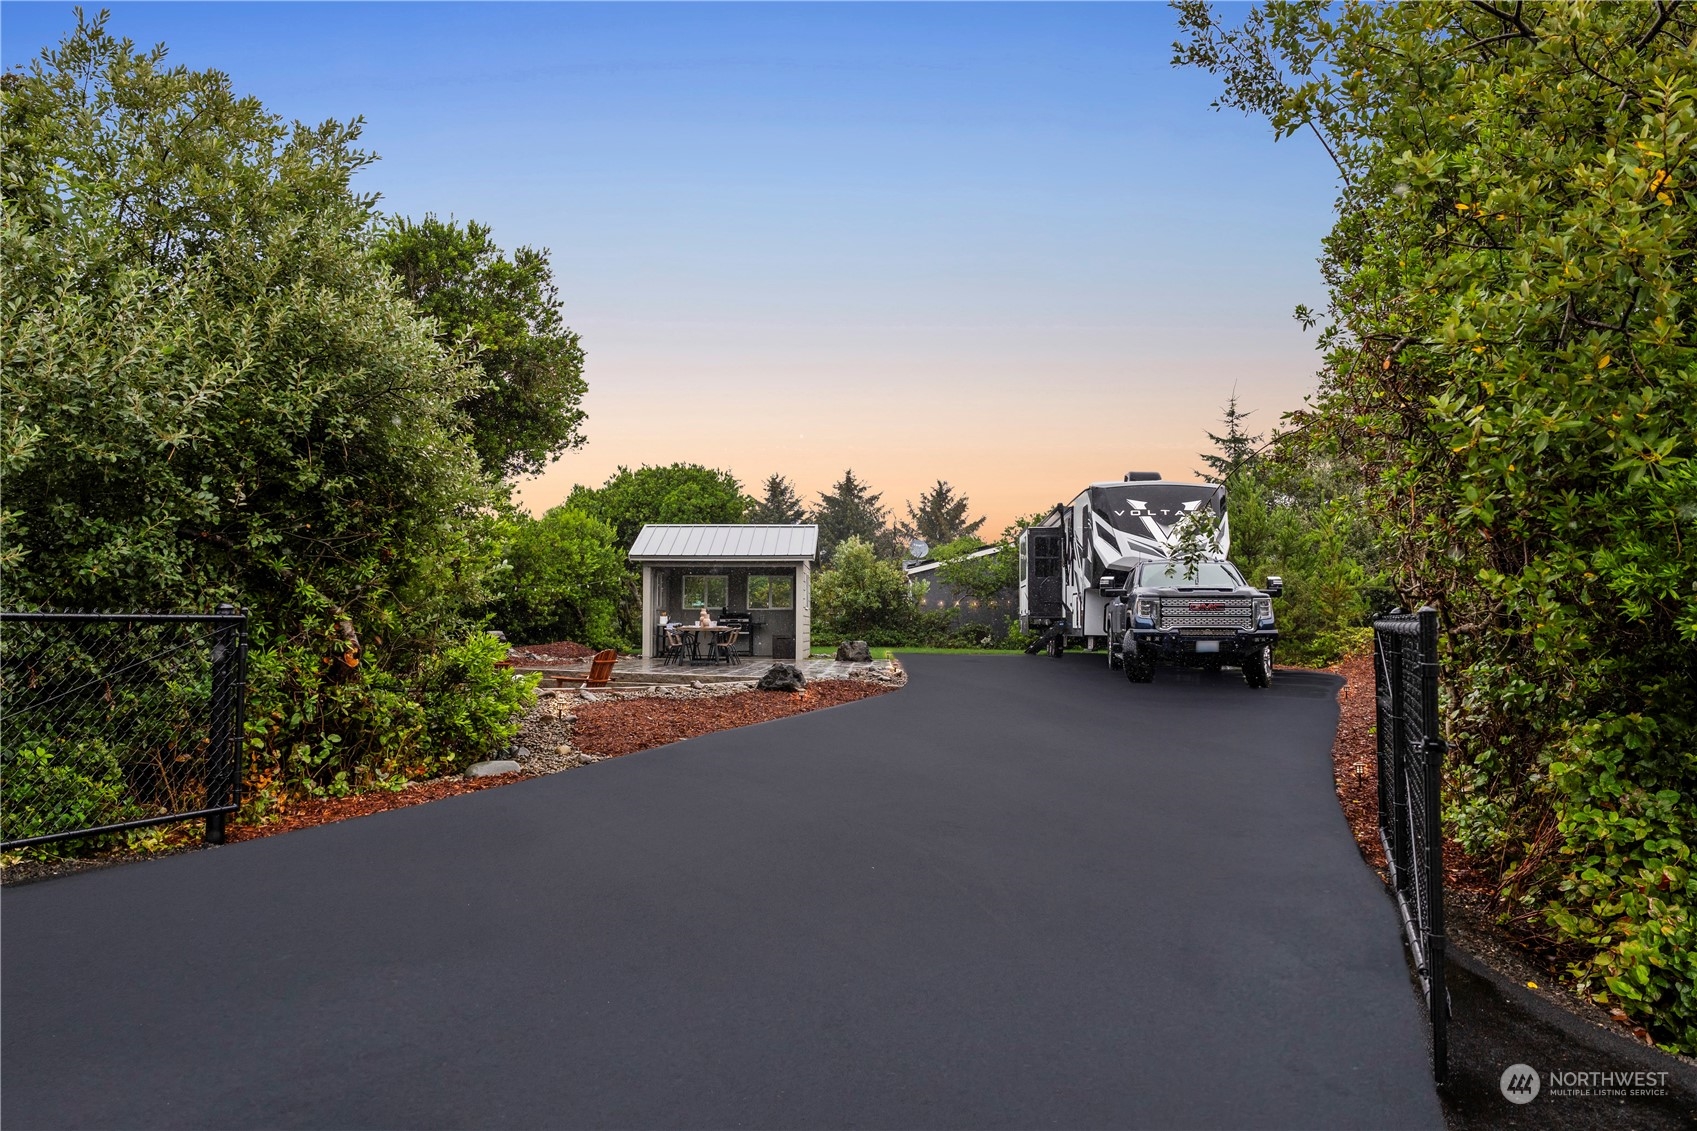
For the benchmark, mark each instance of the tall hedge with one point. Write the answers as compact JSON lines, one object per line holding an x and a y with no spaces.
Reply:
{"x":213,"y":393}
{"x":1510,"y":360}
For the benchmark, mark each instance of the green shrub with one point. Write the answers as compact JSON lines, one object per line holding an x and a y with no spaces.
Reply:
{"x":566,"y":579}
{"x":49,"y":786}
{"x":863,"y":597}
{"x":472,"y":707}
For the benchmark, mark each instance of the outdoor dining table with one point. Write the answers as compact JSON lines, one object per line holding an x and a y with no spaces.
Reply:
{"x":695,"y":631}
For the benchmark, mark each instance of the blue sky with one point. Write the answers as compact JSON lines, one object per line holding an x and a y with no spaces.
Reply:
{"x":1007,"y":245}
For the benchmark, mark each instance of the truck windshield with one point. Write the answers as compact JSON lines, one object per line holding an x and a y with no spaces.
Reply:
{"x":1205,"y":575}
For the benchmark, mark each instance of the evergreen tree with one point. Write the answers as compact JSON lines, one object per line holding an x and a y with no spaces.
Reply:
{"x":940,"y":517}
{"x":1236,"y":449}
{"x":849,"y":510}
{"x":780,"y":505}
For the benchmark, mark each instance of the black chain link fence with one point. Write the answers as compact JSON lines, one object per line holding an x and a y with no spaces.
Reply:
{"x":117,"y":721}
{"x":1411,"y":758}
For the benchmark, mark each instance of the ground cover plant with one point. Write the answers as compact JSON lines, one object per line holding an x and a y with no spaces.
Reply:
{"x":1510,"y":368}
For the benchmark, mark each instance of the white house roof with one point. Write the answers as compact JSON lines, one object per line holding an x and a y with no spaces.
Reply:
{"x":928,"y":565}
{"x":739,"y":542}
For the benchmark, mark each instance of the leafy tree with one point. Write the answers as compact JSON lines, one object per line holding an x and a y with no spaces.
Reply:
{"x":1294,"y":512}
{"x":505,"y":314}
{"x":212,"y":392}
{"x":568,"y":575}
{"x":678,"y":492}
{"x":1509,"y":360}
{"x":862,"y":596}
{"x":1235,"y":450}
{"x":940,"y":517}
{"x":850,"y":510}
{"x":779,"y":505}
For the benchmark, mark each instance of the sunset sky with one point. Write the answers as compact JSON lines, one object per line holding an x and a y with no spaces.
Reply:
{"x":1005,"y":245}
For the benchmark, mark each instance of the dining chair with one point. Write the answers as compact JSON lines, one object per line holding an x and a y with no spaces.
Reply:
{"x":674,"y":646}
{"x":722,"y":646}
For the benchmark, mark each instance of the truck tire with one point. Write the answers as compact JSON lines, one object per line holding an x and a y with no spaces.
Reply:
{"x":1258,"y":669}
{"x":1116,"y":659}
{"x":1138,"y":669}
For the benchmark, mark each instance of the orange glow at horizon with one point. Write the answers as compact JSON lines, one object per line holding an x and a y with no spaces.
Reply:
{"x":1013,"y":445}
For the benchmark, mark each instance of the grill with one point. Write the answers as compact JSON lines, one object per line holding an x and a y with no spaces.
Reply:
{"x":1177,"y":613}
{"x":747,"y":624}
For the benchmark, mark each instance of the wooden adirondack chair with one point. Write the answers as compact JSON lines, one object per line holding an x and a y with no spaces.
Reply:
{"x":601,"y":668}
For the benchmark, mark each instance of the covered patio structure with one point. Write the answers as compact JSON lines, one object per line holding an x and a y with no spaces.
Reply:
{"x":756,"y":574}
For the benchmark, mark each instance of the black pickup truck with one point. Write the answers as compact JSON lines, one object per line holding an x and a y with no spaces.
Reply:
{"x":1196,"y":614}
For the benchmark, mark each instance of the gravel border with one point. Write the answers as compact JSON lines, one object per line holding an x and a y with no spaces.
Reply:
{"x":544,"y":745}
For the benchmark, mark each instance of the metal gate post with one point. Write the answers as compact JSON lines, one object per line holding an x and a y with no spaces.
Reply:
{"x":229,"y":653}
{"x":1432,"y":774}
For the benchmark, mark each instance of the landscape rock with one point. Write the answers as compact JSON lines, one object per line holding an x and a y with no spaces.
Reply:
{"x":854,"y":652}
{"x":491,"y":769}
{"x":782,"y":677}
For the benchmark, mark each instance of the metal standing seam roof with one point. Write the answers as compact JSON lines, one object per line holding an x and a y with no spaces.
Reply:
{"x":724,"y":542}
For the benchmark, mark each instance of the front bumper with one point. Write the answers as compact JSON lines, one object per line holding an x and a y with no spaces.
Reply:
{"x":1173,"y":647}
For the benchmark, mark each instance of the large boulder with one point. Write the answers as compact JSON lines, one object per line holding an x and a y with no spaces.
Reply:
{"x":854,"y":652}
{"x":782,"y":677}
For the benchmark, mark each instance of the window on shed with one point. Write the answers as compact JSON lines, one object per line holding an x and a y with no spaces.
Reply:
{"x":771,"y":591}
{"x":705,"y":591}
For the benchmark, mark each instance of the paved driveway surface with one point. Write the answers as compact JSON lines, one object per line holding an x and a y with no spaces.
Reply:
{"x":1020,"y":892}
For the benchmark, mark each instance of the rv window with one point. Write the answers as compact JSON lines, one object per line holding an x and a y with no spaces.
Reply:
{"x":1046,"y":557}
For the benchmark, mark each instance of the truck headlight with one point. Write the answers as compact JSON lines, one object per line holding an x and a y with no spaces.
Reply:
{"x":1264,"y":612}
{"x":1146,"y":609}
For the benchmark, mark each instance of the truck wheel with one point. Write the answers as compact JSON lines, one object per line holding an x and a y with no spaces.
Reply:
{"x":1138,"y":669}
{"x":1258,"y":668}
{"x":1116,"y":659}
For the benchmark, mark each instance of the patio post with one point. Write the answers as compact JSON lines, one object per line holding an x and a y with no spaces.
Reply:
{"x":648,"y":612}
{"x":803,"y":611}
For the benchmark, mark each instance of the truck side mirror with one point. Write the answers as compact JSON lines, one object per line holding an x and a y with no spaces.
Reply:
{"x":1275,"y":586}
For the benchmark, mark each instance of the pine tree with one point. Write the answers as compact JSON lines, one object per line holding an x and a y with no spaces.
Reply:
{"x":940,"y":517}
{"x":1237,"y":448}
{"x":849,"y":510}
{"x":780,"y":505}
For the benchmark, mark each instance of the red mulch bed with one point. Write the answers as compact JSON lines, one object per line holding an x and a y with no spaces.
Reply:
{"x":605,"y":730}
{"x":1355,"y":769}
{"x":1471,"y":899}
{"x":1355,"y":765}
{"x":559,"y":650}
{"x":612,"y":728}
{"x":305,"y":814}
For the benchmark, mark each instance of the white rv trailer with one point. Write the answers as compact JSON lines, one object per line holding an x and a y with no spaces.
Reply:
{"x":1104,"y":532}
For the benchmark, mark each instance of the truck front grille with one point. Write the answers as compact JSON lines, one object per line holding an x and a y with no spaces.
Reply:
{"x":1176,"y":612}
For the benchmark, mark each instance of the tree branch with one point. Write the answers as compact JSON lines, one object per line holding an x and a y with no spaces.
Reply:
{"x":1664,"y":14}
{"x":1511,"y":18}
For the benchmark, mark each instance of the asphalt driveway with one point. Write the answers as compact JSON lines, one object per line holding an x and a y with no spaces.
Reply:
{"x":1019,"y":893}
